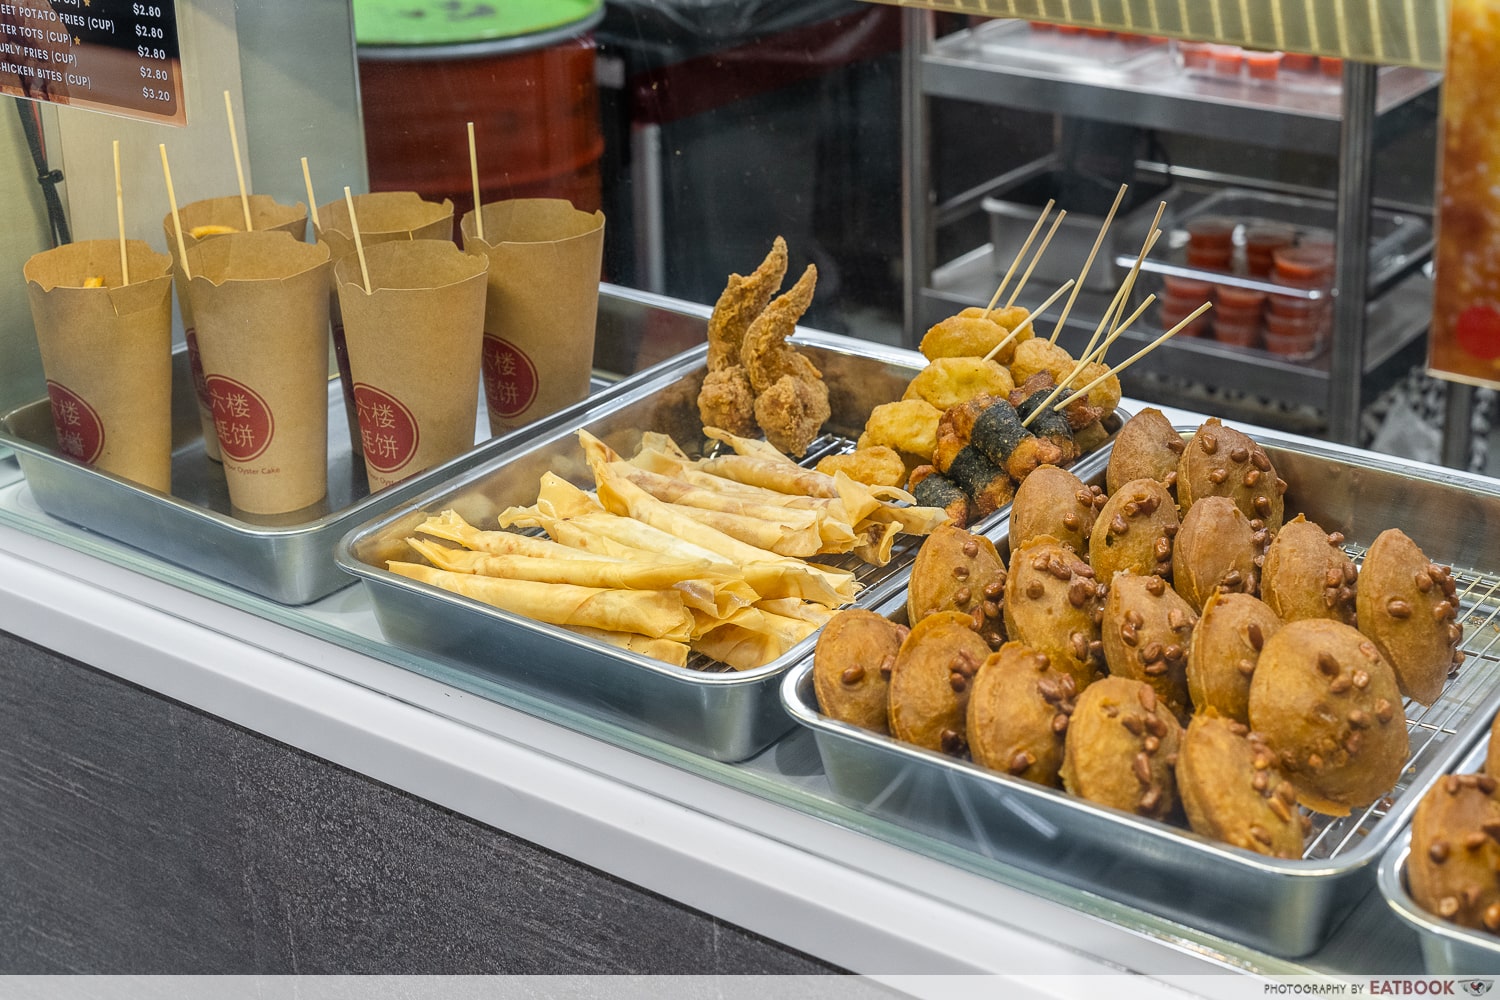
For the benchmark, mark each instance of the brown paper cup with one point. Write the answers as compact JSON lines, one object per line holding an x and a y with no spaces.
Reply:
{"x":261,"y":304}
{"x":265,"y":214}
{"x":545,"y":258}
{"x":414,"y":347}
{"x":384,"y":217}
{"x":107,"y":355}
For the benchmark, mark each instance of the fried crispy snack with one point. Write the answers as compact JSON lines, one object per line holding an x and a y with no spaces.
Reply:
{"x":765,"y":353}
{"x":727,"y":399}
{"x":962,"y":336}
{"x":878,"y":465}
{"x":792,"y":411}
{"x":952,"y":381}
{"x":909,"y":426}
{"x":1233,"y":791}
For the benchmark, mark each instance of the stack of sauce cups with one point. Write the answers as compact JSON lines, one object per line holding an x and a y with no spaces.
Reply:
{"x":1297,"y":325}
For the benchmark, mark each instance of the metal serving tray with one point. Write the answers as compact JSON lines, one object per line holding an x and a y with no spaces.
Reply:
{"x":1447,"y":949}
{"x":724,"y":715}
{"x":286,"y":558}
{"x":1285,"y":907}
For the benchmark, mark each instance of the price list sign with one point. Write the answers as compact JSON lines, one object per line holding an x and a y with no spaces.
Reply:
{"x":119,"y":56}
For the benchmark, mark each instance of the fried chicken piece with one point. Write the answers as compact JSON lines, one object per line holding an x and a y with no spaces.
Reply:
{"x":743,"y":299}
{"x":765,"y":353}
{"x":726,"y":400}
{"x":791,"y":411}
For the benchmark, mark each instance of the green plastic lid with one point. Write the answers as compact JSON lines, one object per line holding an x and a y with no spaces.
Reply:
{"x":450,"y":22}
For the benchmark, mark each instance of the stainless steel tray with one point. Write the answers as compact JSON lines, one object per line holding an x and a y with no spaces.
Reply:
{"x":726,"y":716}
{"x":286,"y":558}
{"x":1447,"y":949}
{"x":1285,"y":907}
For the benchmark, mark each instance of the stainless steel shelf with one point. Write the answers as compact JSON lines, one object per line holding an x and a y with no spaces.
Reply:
{"x":1157,"y":94}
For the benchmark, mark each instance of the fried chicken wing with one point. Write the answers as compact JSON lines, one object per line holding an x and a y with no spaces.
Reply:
{"x":792,"y":411}
{"x":726,"y":400}
{"x":765,"y":353}
{"x":743,"y":299}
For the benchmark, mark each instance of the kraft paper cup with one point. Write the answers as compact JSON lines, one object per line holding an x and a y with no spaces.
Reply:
{"x":261,"y":304}
{"x":545,"y":259}
{"x":228,"y":212}
{"x":414,"y":347}
{"x":107,"y":355}
{"x":384,"y":217}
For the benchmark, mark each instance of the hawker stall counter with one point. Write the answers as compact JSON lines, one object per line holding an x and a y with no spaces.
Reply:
{"x":804,"y":882}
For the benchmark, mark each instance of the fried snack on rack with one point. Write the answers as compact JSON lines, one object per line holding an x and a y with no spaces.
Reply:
{"x":878,"y":465}
{"x":933,"y":489}
{"x":792,"y":412}
{"x":949,"y":382}
{"x":1053,"y":501}
{"x":1232,"y":789}
{"x":1018,"y":714}
{"x":791,"y":399}
{"x":1047,"y":423}
{"x":1134,"y":531}
{"x":1145,"y":448}
{"x":727,"y":399}
{"x":1223,"y":461}
{"x":1326,"y":699}
{"x":1216,"y":551}
{"x":929,"y":687}
{"x":1147,"y":629}
{"x":1231,"y":631}
{"x":1455,"y":851}
{"x":1306,"y":574}
{"x":992,"y":426}
{"x":1121,"y":748}
{"x":1054,"y":604}
{"x":909,"y":426}
{"x":956,"y":570}
{"x":1408,"y":605}
{"x":964,"y":337}
{"x":852,"y":664}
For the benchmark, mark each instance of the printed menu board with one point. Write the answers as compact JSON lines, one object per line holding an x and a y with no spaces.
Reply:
{"x":119,"y":56}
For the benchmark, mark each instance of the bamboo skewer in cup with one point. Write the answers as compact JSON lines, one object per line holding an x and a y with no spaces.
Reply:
{"x":261,"y":302}
{"x":103,"y":316}
{"x":239,"y":167}
{"x":414,"y":325}
{"x":384,"y":217}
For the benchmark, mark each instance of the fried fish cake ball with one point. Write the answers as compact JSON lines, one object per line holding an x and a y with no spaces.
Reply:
{"x":949,"y":382}
{"x":1039,"y":355}
{"x":1216,"y":549}
{"x":1452,"y":868}
{"x":878,"y":465}
{"x":1134,"y":531}
{"x":1307,"y":575}
{"x":909,"y":426}
{"x":1121,"y":748}
{"x":1231,"y":631}
{"x":1018,"y":714}
{"x":1145,"y":448}
{"x":1409,"y":606}
{"x":956,"y":570}
{"x":1222,"y":461}
{"x":852,"y":664}
{"x":1053,"y":501}
{"x":1146,"y":631}
{"x":1054,"y":605}
{"x":929,"y":692}
{"x":1009,"y":317}
{"x":1232,"y":790}
{"x":961,"y":337}
{"x":1326,"y":699}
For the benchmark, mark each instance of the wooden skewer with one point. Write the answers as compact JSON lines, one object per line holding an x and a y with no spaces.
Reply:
{"x":176,"y":218}
{"x":1089,"y":357}
{"x":359,"y":246}
{"x":1098,"y":241}
{"x":1036,"y":257}
{"x":1025,"y":324}
{"x":120,"y":218}
{"x":1122,"y":294}
{"x":312,"y":203}
{"x":239,"y":169}
{"x":1046,"y":211}
{"x":1205,"y":307}
{"x":474,"y":174}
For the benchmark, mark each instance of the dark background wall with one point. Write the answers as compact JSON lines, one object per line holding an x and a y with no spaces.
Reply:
{"x":138,"y":835}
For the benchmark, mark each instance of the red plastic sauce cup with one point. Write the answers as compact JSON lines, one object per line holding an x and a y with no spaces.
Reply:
{"x":1299,"y":62}
{"x":1234,"y":297}
{"x":1237,"y":334}
{"x":1263,"y":65}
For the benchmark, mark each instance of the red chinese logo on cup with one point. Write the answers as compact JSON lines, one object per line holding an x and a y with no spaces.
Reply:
{"x":510,"y":383}
{"x":80,"y":432}
{"x":195,"y":364}
{"x":387,"y":429}
{"x":241,"y":417}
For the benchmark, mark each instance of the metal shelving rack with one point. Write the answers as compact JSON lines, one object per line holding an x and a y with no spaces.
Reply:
{"x":1371,"y":106}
